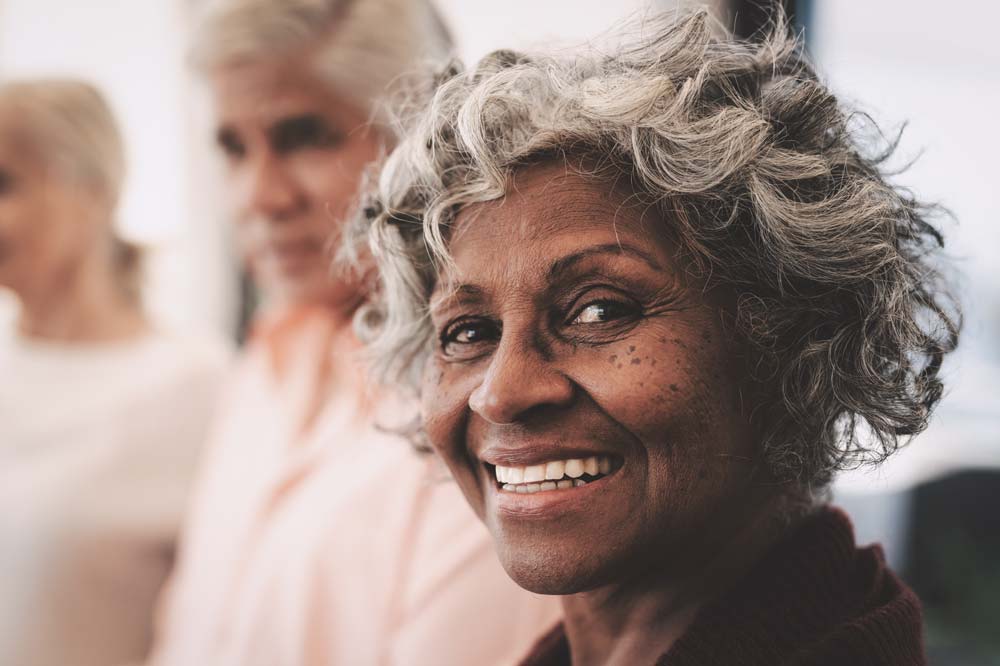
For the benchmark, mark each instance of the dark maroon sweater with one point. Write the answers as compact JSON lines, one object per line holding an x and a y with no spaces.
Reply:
{"x":815,"y":599}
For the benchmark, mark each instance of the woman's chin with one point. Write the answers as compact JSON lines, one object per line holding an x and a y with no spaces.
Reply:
{"x":542,"y":571}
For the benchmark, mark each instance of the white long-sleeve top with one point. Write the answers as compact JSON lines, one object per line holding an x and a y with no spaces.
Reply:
{"x":97,"y":448}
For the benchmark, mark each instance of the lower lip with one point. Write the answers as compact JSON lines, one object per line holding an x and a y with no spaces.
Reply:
{"x":548,"y":504}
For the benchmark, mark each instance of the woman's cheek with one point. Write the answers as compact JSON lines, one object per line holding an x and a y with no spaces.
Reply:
{"x":436,"y":404}
{"x":638,"y":381}
{"x":444,"y":405}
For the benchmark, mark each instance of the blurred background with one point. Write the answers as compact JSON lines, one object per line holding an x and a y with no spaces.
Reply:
{"x":930,"y":67}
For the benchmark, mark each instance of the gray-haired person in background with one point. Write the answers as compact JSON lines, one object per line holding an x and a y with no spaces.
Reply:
{"x":102,"y":415}
{"x":315,"y":536}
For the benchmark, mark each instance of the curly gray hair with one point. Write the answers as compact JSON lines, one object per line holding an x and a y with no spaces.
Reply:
{"x":758,"y":171}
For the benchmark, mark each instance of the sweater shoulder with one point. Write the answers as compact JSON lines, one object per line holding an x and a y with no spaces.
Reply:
{"x":882,"y":624}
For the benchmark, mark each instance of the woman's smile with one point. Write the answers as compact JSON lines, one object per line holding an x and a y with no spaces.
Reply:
{"x":562,"y":474}
{"x":555,"y":500}
{"x":552,"y":477}
{"x":552,"y":486}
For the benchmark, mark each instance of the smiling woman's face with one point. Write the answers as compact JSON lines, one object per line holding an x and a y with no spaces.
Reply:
{"x":576,"y":361}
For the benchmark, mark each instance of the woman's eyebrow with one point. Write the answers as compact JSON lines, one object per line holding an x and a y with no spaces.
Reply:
{"x":463,"y":293}
{"x":563,"y":264}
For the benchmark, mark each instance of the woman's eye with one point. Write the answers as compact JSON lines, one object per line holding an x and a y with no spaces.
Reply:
{"x":464,"y":337}
{"x":600,"y":312}
{"x":467,"y":335}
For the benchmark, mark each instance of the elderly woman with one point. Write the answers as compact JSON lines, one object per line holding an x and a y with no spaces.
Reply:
{"x":315,"y":537}
{"x":101,"y":414}
{"x":652,"y":302}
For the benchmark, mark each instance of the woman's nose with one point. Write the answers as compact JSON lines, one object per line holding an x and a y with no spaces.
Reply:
{"x":519,"y":382}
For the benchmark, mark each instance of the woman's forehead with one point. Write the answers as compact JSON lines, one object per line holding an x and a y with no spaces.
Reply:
{"x":547,"y":201}
{"x":550,"y":222}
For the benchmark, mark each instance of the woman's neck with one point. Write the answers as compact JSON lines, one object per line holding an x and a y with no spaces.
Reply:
{"x":637,"y":620}
{"x":88,"y":308}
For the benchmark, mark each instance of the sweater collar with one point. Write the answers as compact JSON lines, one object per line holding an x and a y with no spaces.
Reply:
{"x":811,"y":580}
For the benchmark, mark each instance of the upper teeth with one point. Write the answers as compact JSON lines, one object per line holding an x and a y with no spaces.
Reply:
{"x":555,"y":470}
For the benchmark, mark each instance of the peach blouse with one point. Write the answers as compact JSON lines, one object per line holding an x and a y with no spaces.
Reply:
{"x":317,"y":538}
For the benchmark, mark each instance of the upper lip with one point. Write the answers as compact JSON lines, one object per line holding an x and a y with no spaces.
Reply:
{"x":535,"y":454}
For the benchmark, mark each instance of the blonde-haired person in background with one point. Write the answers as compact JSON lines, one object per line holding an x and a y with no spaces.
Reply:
{"x":101,"y":415}
{"x":316,"y":537}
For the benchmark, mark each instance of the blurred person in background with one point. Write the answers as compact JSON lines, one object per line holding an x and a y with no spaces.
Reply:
{"x":101,"y":414}
{"x":316,"y":537}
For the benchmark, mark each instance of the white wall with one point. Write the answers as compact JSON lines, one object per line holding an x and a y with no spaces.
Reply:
{"x":481,"y":26}
{"x":133,"y":50}
{"x":936,"y":67}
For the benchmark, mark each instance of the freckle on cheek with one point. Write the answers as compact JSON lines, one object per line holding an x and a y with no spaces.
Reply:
{"x":673,"y":387}
{"x":613,"y":359}
{"x":631,"y":349}
{"x":636,"y":361}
